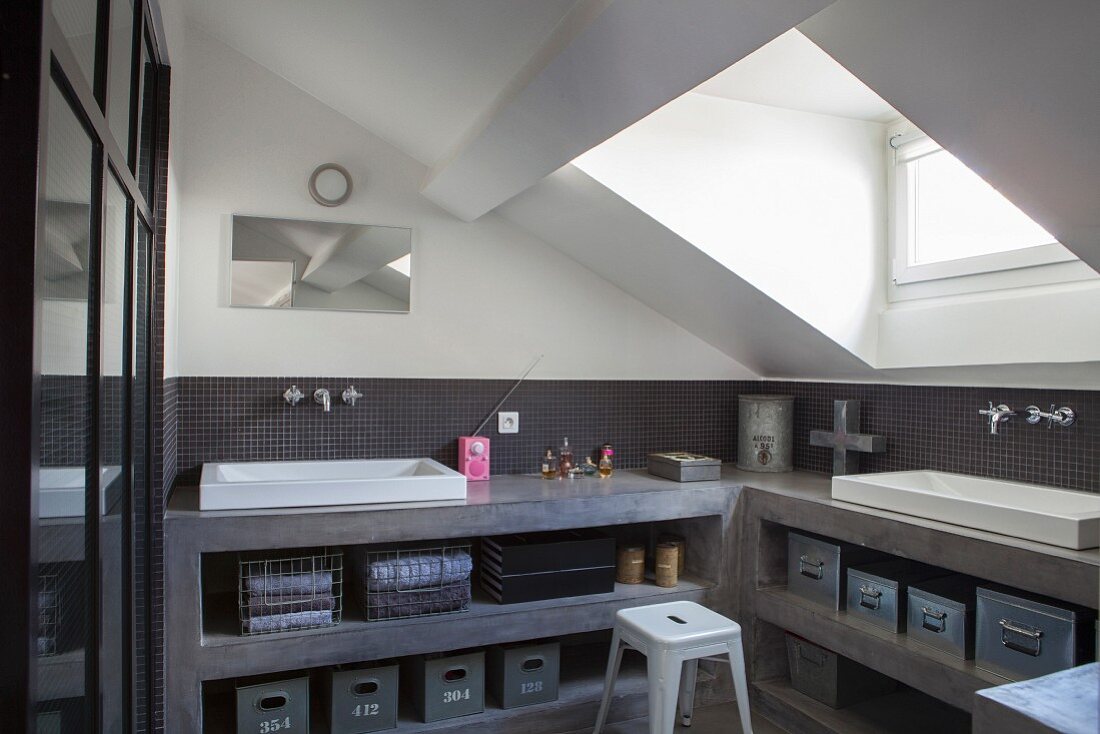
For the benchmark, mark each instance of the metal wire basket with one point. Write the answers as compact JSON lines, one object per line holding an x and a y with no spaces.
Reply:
{"x":399,"y":582}
{"x":49,"y":614}
{"x":282,"y":593}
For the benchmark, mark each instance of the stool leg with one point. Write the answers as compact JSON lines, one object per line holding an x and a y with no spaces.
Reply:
{"x":614,"y":660}
{"x":663,"y":671}
{"x":687,"y":690}
{"x":740,"y":683}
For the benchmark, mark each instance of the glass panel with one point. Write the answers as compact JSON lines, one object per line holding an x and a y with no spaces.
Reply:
{"x":139,"y":451}
{"x":77,"y":19}
{"x":957,"y":214}
{"x":121,"y":45}
{"x":147,"y":103}
{"x":113,"y":488}
{"x":63,"y":262}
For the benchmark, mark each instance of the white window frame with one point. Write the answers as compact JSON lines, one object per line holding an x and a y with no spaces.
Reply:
{"x":909,"y":147}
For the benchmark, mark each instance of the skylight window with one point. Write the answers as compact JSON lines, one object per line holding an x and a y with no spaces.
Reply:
{"x":949,"y":222}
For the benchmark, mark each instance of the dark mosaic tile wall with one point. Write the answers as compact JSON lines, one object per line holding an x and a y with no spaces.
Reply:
{"x":939,"y":428}
{"x":246,"y":419}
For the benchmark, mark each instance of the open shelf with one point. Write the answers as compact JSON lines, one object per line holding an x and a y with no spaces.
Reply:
{"x":487,"y":622}
{"x":579,"y":694}
{"x":896,"y":655}
{"x":905,"y":712}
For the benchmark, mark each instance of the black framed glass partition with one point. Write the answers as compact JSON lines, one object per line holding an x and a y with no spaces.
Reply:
{"x":80,"y":94}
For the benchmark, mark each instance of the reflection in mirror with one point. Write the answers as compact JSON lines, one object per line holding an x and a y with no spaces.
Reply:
{"x":291,"y":263}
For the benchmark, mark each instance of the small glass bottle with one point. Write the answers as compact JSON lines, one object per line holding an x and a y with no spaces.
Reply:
{"x":606,"y":469}
{"x":549,"y":465}
{"x":590,"y":469}
{"x":565,"y":458}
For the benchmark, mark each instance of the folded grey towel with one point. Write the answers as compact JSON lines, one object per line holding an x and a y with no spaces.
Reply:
{"x":418,"y":572}
{"x":317,"y":583}
{"x":394,"y":604}
{"x":265,"y":604}
{"x":282,"y":622}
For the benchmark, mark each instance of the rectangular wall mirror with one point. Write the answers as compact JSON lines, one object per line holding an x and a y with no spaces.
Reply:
{"x":293,"y":263}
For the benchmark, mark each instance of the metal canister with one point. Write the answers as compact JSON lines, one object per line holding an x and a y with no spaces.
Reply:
{"x":765,"y":433}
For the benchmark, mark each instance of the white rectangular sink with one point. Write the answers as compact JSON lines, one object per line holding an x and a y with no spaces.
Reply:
{"x":1056,"y":516}
{"x":257,"y":485}
{"x":61,"y":490}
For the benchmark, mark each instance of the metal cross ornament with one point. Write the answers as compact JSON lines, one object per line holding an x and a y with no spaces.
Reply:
{"x":845,"y":438}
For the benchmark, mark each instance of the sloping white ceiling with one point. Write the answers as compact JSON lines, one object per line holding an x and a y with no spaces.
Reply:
{"x":417,"y":73}
{"x":1010,"y":87}
{"x":792,"y":72}
{"x":624,"y":245}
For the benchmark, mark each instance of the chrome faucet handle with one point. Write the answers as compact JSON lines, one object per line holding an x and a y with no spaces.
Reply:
{"x":350,"y":395}
{"x":321,"y":395}
{"x":997,"y":415}
{"x":1034,"y":414}
{"x":293,"y":395}
{"x":1063,"y":417}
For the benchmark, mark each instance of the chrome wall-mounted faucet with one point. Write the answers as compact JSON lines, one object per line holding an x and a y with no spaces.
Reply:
{"x":350,"y":395}
{"x":320,"y":395}
{"x":1062,"y":417}
{"x":997,"y":415}
{"x":293,"y":395}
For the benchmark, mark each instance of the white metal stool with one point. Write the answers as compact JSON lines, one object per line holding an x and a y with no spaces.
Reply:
{"x":675,"y":636}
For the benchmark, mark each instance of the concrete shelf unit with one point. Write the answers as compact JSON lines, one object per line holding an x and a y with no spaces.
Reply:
{"x":939,"y":689}
{"x":208,"y":654}
{"x":579,"y":696}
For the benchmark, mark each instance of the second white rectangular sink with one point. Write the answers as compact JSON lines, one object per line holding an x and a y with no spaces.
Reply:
{"x":1061,"y":517}
{"x":258,"y":485}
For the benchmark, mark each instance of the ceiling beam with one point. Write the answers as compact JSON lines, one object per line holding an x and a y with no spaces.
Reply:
{"x":1010,"y":87}
{"x":595,"y":79}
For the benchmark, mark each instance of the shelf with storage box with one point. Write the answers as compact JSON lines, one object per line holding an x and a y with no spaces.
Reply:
{"x":579,"y":692}
{"x":203,"y":629}
{"x":771,"y":609}
{"x":226,"y":653}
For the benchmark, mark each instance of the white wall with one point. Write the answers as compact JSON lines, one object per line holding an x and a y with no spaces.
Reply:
{"x":487,"y":297}
{"x":793,"y":202}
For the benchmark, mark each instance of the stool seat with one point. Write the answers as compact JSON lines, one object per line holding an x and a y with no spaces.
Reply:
{"x":681,"y":624}
{"x":674,"y":637}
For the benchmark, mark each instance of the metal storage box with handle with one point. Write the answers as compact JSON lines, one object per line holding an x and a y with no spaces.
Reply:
{"x":832,"y":679}
{"x":877,"y":591}
{"x":361,"y":699}
{"x":1022,"y":635}
{"x":521,"y":675}
{"x":275,"y":706}
{"x":444,"y":687}
{"x":941,"y":614}
{"x":817,"y":567}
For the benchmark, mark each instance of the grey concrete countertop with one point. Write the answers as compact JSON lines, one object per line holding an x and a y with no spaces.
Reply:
{"x":633,"y":487}
{"x":1066,"y":702}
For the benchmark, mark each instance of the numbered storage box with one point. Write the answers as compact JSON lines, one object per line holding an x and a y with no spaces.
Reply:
{"x":444,"y":687}
{"x":830,"y":678}
{"x":817,"y":567}
{"x":361,"y":699}
{"x":274,"y":706}
{"x":941,"y":614}
{"x":878,"y":592}
{"x":1022,"y":635}
{"x":524,"y":674}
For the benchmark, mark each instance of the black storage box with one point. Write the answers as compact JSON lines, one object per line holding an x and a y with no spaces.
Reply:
{"x":941,"y":614}
{"x":1023,"y":635}
{"x":877,"y":591}
{"x":550,"y":565}
{"x":817,"y":567}
{"x":832,"y":679}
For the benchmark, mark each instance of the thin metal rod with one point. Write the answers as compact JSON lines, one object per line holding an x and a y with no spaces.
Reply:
{"x":509,"y":393}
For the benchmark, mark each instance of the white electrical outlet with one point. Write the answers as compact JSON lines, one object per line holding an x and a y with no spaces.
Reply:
{"x":508,"y":422}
